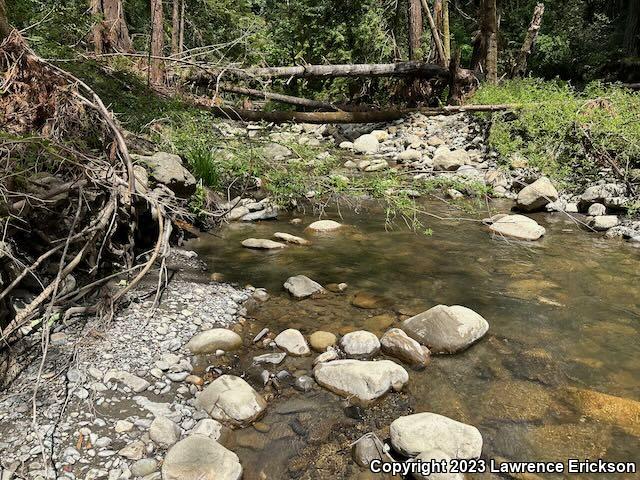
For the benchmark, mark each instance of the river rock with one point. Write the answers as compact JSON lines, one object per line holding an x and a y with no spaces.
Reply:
{"x":275,"y":151}
{"x":330,"y":355}
{"x":519,"y":227}
{"x":324,"y":226}
{"x":398,"y":344}
{"x":262,"y":244}
{"x":287,"y":237}
{"x":446,"y":329}
{"x":164,"y":432}
{"x":215,"y":339}
{"x":596,"y":210}
{"x":230,"y":399}
{"x":293,"y":342}
{"x":603,"y":222}
{"x":268,"y":213}
{"x":599,"y":193}
{"x":368,"y":448}
{"x":302,"y":287}
{"x":144,"y":467}
{"x":167,"y":169}
{"x":409,"y":155}
{"x":360,"y":344}
{"x":272,"y":358}
{"x":366,"y":144}
{"x":197,"y":458}
{"x":135,"y":383}
{"x":209,"y":428}
{"x":320,"y":340}
{"x":412,"y":435}
{"x":445,"y":159}
{"x":437,"y":456}
{"x":363,"y":380}
{"x":369,"y":301}
{"x":537,"y":195}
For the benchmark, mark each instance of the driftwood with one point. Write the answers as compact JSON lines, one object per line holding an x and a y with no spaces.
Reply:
{"x":520,"y":66}
{"x":371,"y":116}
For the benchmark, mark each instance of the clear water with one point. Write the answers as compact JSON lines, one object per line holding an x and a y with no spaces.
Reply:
{"x":565,"y":328}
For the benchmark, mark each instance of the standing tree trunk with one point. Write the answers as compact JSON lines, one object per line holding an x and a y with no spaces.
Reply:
{"x":156,"y":74}
{"x":632,"y":31}
{"x":4,"y":21}
{"x":175,"y":28}
{"x":415,"y":30}
{"x":485,"y":52}
{"x":181,"y":43}
{"x":110,"y":34}
{"x":446,"y":32}
{"x":434,"y":32}
{"x":520,"y":66}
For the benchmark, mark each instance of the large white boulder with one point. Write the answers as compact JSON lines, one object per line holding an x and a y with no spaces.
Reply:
{"x":366,"y":144}
{"x":293,"y":342}
{"x":519,"y":227}
{"x":446,"y":329}
{"x":301,"y":286}
{"x":324,"y":226}
{"x":363,"y":380}
{"x":398,"y":344}
{"x":537,"y":195}
{"x":230,"y":399}
{"x":215,"y":339}
{"x":198,"y":457}
{"x":412,"y":435}
{"x":446,"y":159}
{"x":360,"y":344}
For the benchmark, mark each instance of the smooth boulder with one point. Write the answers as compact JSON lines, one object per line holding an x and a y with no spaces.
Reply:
{"x":230,"y":399}
{"x":536,"y":195}
{"x":293,"y":342}
{"x":518,"y":227}
{"x":287,"y":237}
{"x":360,"y":344}
{"x":361,"y":380}
{"x":414,"y":434}
{"x":324,"y":226}
{"x":366,"y":144}
{"x":321,"y":340}
{"x":396,"y":343}
{"x":198,"y":457}
{"x":446,"y":329}
{"x":262,"y":244}
{"x":215,"y":339}
{"x":301,"y":286}
{"x":445,"y":159}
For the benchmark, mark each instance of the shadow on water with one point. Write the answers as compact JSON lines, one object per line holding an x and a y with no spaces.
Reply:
{"x":557,"y":376}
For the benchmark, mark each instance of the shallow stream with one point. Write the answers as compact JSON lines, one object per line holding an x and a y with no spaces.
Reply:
{"x":564,"y":315}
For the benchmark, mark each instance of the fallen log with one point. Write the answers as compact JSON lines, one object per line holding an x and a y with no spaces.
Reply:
{"x":278,"y":97}
{"x":369,"y":116}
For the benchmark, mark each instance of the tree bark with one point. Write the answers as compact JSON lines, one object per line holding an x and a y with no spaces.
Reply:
{"x":632,"y":30}
{"x":446,"y":31}
{"x":181,"y":42}
{"x":462,"y":82}
{"x":156,"y":75}
{"x":110,"y":34}
{"x":520,"y":67}
{"x":4,"y":21}
{"x":434,"y":32}
{"x":175,"y":28}
{"x":485,"y":54}
{"x":415,"y":30}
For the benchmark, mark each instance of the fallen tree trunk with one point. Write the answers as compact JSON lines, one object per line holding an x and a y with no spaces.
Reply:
{"x":278,"y":97}
{"x":370,"y":116}
{"x":418,"y":69}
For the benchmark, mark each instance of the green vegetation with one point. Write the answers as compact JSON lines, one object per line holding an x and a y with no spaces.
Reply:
{"x":564,"y":132}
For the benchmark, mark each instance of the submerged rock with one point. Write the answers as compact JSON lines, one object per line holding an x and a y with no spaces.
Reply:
{"x":412,"y":435}
{"x":363,"y":380}
{"x":368,"y":448}
{"x":198,"y":457}
{"x":398,"y":344}
{"x":231,"y":399}
{"x":518,"y":226}
{"x":320,"y":340}
{"x":537,"y":195}
{"x":360,"y":344}
{"x":287,"y":237}
{"x":262,"y":244}
{"x":446,"y":329}
{"x":302,"y":287}
{"x":293,"y":342}
{"x":215,"y":339}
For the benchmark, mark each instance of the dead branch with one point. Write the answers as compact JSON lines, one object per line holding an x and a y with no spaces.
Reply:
{"x":520,"y":66}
